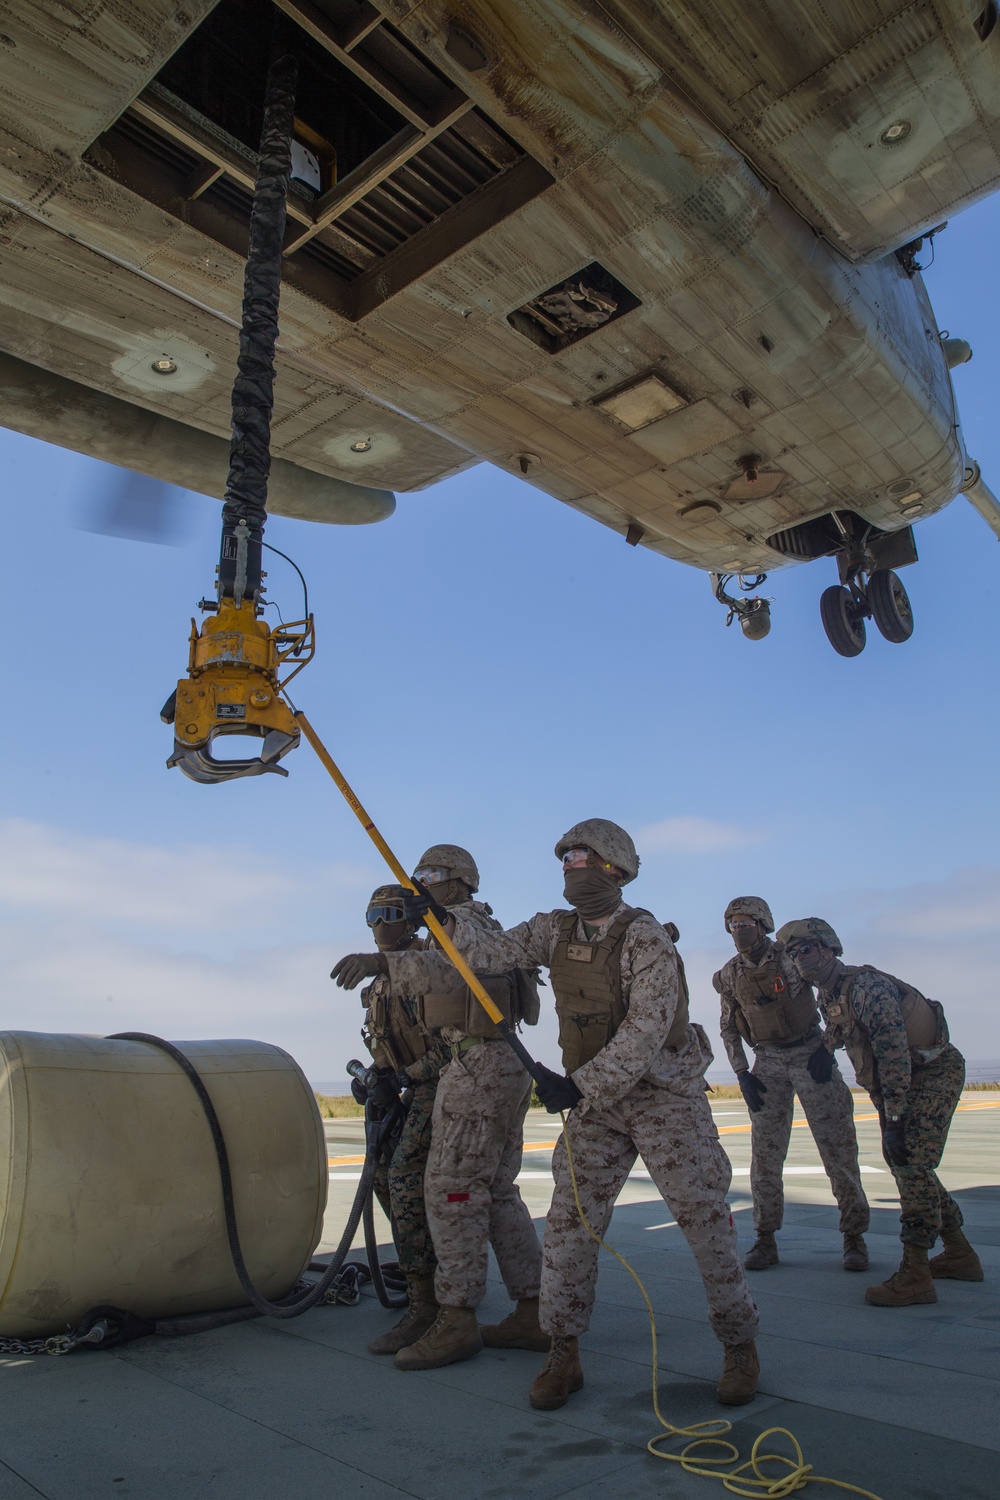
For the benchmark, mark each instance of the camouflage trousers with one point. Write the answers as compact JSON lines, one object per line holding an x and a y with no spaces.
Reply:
{"x":829,"y":1109}
{"x":477,"y":1137}
{"x":399,"y":1186}
{"x":926,"y":1206}
{"x":678,"y":1141}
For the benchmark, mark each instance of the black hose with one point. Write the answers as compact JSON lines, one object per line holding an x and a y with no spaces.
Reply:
{"x":380,"y":1273}
{"x":288,"y":1307}
{"x":244,"y":509}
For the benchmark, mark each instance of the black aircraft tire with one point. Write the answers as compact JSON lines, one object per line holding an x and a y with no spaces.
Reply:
{"x":890,"y":606}
{"x":844,"y":631}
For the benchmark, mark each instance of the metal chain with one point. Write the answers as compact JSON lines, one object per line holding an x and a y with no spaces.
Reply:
{"x":59,"y":1343}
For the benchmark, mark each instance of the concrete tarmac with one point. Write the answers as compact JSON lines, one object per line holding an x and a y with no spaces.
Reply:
{"x":900,"y":1402}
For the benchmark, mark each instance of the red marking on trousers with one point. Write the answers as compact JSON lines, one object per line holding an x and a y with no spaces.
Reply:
{"x":458,"y":1197}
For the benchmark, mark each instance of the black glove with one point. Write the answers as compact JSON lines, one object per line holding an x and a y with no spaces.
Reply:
{"x":556,"y":1091}
{"x":752,"y":1089}
{"x":359,"y":1091}
{"x":894,"y":1144}
{"x":386,"y":1090}
{"x":820,"y":1065}
{"x":350,"y":971}
{"x":416,"y":904}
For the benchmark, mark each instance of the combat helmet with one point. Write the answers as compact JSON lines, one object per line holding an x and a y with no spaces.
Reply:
{"x":452,"y":857}
{"x":606,"y":839}
{"x":754,"y":907}
{"x":388,"y":895}
{"x":812,"y":929}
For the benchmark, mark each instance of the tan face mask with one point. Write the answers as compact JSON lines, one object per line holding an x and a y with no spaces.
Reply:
{"x":594,"y":893}
{"x":391,"y":935}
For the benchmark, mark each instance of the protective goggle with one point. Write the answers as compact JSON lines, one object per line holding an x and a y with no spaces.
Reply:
{"x":576,"y":859}
{"x":384,"y":914}
{"x":741,"y":924}
{"x":802,"y":950}
{"x":432,"y":875}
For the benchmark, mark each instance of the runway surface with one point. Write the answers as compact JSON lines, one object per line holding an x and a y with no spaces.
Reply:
{"x":901,"y":1402}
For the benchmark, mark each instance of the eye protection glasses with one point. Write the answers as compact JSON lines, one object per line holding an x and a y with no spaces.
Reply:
{"x":802,"y":950}
{"x":384,"y":914}
{"x":432,"y":875}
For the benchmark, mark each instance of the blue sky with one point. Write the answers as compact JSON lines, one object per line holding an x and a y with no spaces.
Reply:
{"x":492,"y":667}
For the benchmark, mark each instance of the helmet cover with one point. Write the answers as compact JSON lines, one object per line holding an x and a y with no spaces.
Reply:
{"x":606,"y":839}
{"x":454,"y":858}
{"x":810,"y":929}
{"x":754,"y":907}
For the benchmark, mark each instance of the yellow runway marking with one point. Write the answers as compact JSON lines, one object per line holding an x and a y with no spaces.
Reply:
{"x":357,"y":1161}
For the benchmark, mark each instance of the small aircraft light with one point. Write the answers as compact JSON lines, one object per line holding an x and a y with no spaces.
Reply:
{"x":164,"y":365}
{"x":913,"y":509}
{"x":893,"y":134}
{"x":361,"y":445}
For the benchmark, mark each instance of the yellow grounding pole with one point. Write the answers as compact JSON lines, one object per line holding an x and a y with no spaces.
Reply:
{"x":434,"y":926}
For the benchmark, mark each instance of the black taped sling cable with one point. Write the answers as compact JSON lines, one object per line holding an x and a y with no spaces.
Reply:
{"x":244,"y":508}
{"x":288,"y":1307}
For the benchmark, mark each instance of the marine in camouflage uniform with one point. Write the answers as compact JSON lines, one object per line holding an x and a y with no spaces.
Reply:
{"x":636,"y":1089}
{"x":477,"y":1134}
{"x":898,"y":1042}
{"x":406,"y":1054}
{"x":766,"y":1003}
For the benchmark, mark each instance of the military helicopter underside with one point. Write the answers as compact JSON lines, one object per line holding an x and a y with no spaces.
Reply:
{"x":526,"y":234}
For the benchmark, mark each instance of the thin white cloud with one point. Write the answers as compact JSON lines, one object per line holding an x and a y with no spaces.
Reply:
{"x":965,"y":905}
{"x":693,"y":835}
{"x":102,"y":935}
{"x":50,"y":871}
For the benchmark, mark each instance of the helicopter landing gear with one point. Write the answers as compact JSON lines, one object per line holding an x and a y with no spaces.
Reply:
{"x":890,"y":605}
{"x":843,"y":617}
{"x":878,"y":596}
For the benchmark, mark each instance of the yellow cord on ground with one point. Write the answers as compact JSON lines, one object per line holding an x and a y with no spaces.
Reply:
{"x":747,"y":1478}
{"x":704,"y":1434}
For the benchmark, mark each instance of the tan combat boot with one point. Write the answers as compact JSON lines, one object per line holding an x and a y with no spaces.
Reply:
{"x":561,"y":1375}
{"x":520,"y":1329}
{"x":417,"y":1319}
{"x":910,"y":1285}
{"x":453,"y":1336}
{"x":957,"y":1261}
{"x":740,"y":1373}
{"x":762,"y":1253}
{"x":855,"y":1253}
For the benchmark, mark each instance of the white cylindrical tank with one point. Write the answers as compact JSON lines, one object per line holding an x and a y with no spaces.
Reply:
{"x":109,"y":1183}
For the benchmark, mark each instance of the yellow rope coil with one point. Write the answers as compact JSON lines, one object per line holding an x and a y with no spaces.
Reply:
{"x":711,"y":1434}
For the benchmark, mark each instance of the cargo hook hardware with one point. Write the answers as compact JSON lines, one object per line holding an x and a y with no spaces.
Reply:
{"x":234,"y":684}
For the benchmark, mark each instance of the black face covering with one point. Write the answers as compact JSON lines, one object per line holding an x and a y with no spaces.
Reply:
{"x":594,"y":893}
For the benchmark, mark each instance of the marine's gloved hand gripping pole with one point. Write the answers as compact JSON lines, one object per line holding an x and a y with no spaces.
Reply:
{"x":451,"y":952}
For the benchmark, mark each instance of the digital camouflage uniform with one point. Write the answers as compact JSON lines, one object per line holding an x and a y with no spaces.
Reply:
{"x":477,"y":1136}
{"x":399,"y":1184}
{"x":865,"y":1007}
{"x":828,"y":1107}
{"x":640,"y":1099}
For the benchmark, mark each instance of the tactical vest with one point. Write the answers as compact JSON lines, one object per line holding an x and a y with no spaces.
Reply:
{"x":394,"y":1038}
{"x":768,"y":1011}
{"x":587,"y":981}
{"x":926,"y":1027}
{"x":514,"y":993}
